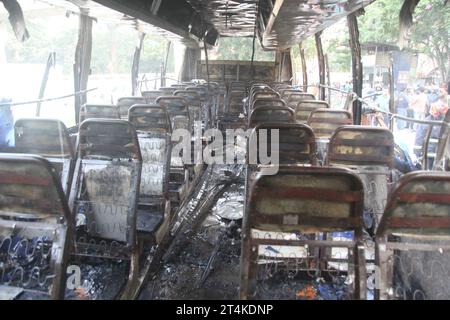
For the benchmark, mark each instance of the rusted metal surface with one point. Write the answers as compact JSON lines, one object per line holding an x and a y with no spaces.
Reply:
{"x":34,"y":228}
{"x":49,"y":139}
{"x":302,"y":201}
{"x":305,"y":107}
{"x":413,"y":239}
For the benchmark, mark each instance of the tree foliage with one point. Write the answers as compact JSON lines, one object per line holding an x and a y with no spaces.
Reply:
{"x":429,"y":34}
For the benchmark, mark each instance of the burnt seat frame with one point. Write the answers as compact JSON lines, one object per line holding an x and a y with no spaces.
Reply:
{"x":48,"y":138}
{"x":55,"y":225}
{"x":294,"y":98}
{"x":373,"y":169}
{"x":98,"y":111}
{"x":151,"y":95}
{"x":124,"y":103}
{"x":303,"y":222}
{"x":273,"y":102}
{"x":324,"y":123}
{"x":153,"y":122}
{"x":304,"y":108}
{"x":285,"y":93}
{"x":304,"y":136}
{"x":430,"y":231}
{"x":260,"y":94}
{"x":194,"y":103}
{"x":119,"y":244}
{"x":178,"y":108}
{"x":257,"y":115}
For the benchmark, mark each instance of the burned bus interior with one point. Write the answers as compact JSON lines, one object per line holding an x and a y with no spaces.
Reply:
{"x":215,"y":178}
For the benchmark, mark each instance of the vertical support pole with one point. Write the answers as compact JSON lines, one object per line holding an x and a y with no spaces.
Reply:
{"x":327,"y":68}
{"x":392,"y":108}
{"x":190,"y":64}
{"x":321,"y":60}
{"x":304,"y":70}
{"x":357,"y":68}
{"x":50,"y":63}
{"x":82,"y":66}
{"x":135,"y":66}
{"x":164,"y":66}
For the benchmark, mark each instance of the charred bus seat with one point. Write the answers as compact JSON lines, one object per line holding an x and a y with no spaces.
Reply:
{"x":324,"y":122}
{"x":49,"y":139}
{"x":104,"y":193}
{"x":125,"y":103}
{"x":293,"y":98}
{"x":305,"y":107}
{"x":152,"y":124}
{"x":179,"y":115}
{"x":151,"y":95}
{"x":368,"y":151}
{"x":413,"y":240}
{"x":34,"y":229}
{"x":265,"y":114}
{"x":298,"y":201}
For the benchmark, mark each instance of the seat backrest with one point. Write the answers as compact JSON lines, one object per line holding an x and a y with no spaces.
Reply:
{"x":280,"y":86}
{"x":168,"y":91}
{"x":265,"y":114}
{"x":95,"y":111}
{"x":285,"y":93}
{"x":49,"y":139}
{"x":178,"y":110}
{"x":30,"y":190}
{"x":361,"y":146}
{"x":296,"y":144}
{"x":125,"y":103}
{"x":325,"y":121}
{"x":194,"y":102}
{"x":306,"y":199}
{"x":151,"y":95}
{"x":272,"y":102}
{"x":153,"y":129}
{"x":419,"y":205}
{"x":34,"y":227}
{"x":106,"y":182}
{"x":305,"y":107}
{"x":293,"y":98}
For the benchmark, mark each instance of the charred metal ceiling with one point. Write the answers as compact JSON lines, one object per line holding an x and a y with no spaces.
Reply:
{"x":280,"y":24}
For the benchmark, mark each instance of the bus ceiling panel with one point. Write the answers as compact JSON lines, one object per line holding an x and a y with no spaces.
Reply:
{"x":176,"y":17}
{"x":291,"y":21}
{"x":234,"y":18}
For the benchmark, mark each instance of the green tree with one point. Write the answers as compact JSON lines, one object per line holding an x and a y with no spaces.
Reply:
{"x":429,"y":34}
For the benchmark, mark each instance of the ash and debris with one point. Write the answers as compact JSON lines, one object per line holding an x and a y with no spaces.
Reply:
{"x":100,"y":280}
